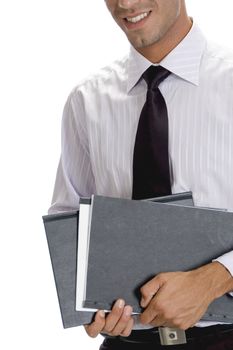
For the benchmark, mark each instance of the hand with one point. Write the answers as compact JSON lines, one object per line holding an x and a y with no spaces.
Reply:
{"x":118,"y":322}
{"x":179,"y":299}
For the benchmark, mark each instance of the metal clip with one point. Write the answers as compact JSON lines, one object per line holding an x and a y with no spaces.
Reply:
{"x":172,"y":336}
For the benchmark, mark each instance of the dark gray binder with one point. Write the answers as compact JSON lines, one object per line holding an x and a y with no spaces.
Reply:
{"x":62,"y":237}
{"x":61,"y":232}
{"x":131,"y":241}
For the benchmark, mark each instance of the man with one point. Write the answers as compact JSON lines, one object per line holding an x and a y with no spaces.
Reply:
{"x":100,"y":122}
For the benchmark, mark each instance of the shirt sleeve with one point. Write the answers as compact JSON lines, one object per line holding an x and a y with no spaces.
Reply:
{"x":74,"y":177}
{"x":227,"y":261}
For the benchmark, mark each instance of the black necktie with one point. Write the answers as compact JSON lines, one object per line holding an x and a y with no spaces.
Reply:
{"x":151,"y":176}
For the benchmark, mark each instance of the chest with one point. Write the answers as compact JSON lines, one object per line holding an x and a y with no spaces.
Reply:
{"x":200,"y":142}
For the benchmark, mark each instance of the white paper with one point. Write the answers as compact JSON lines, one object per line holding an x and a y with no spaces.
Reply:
{"x":82,"y":256}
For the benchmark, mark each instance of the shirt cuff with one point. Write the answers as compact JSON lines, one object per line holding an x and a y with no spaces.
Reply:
{"x":227,"y":261}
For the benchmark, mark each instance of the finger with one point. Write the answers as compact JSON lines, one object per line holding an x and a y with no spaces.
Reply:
{"x":123,"y":321}
{"x":128,"y":329}
{"x":114,"y":316}
{"x":149,"y":314}
{"x":158,"y":321}
{"x":150,"y":289}
{"x":97,"y":325}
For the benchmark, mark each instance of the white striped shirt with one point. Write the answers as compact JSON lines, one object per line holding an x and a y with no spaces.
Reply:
{"x":100,"y":122}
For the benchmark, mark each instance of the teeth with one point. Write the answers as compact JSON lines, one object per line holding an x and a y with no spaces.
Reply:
{"x":137,"y":18}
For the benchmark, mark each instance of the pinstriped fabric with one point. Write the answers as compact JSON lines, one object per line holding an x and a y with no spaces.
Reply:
{"x":101,"y":116}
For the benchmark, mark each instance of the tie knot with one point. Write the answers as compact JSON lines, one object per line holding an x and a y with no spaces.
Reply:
{"x":154,"y":75}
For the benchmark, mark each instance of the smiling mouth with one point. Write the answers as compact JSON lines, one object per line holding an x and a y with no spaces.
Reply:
{"x":137,"y":18}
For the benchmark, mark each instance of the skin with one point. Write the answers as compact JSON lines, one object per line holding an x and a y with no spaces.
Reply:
{"x":117,"y":322}
{"x":166,"y":25}
{"x":177,"y":299}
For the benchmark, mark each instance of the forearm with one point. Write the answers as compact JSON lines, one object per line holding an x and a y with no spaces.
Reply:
{"x":227,"y":261}
{"x":179,"y":299}
{"x":220,"y":279}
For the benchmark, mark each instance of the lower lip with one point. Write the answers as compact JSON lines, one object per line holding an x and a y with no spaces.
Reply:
{"x":137,"y":25}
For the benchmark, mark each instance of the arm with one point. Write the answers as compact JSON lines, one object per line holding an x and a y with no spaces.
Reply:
{"x":179,"y":299}
{"x":75,"y":179}
{"x":227,"y":261}
{"x":74,"y":174}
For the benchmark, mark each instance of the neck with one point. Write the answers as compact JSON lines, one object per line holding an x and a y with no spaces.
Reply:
{"x":157,"y":51}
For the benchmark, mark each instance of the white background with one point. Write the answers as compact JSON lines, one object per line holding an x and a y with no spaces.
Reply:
{"x":47,"y":47}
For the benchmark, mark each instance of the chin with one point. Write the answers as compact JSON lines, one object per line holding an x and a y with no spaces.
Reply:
{"x":142,"y":43}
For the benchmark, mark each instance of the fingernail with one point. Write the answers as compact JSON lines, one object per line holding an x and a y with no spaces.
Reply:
{"x":128,"y":311}
{"x":102,"y":313}
{"x":120,"y":303}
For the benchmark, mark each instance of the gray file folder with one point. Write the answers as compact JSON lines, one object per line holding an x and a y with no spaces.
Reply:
{"x":62,"y":237}
{"x":132,"y":241}
{"x":61,"y":231}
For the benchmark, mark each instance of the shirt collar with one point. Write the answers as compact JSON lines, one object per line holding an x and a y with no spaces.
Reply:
{"x":184,"y":60}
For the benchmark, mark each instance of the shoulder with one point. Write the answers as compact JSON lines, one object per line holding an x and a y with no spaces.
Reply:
{"x":218,"y":59}
{"x":219,"y":52}
{"x":102,"y":80}
{"x":216,"y":70}
{"x":90,"y":96}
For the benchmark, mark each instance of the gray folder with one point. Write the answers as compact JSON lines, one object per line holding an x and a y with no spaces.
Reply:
{"x":132,"y":241}
{"x":62,"y":237}
{"x":61,"y":231}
